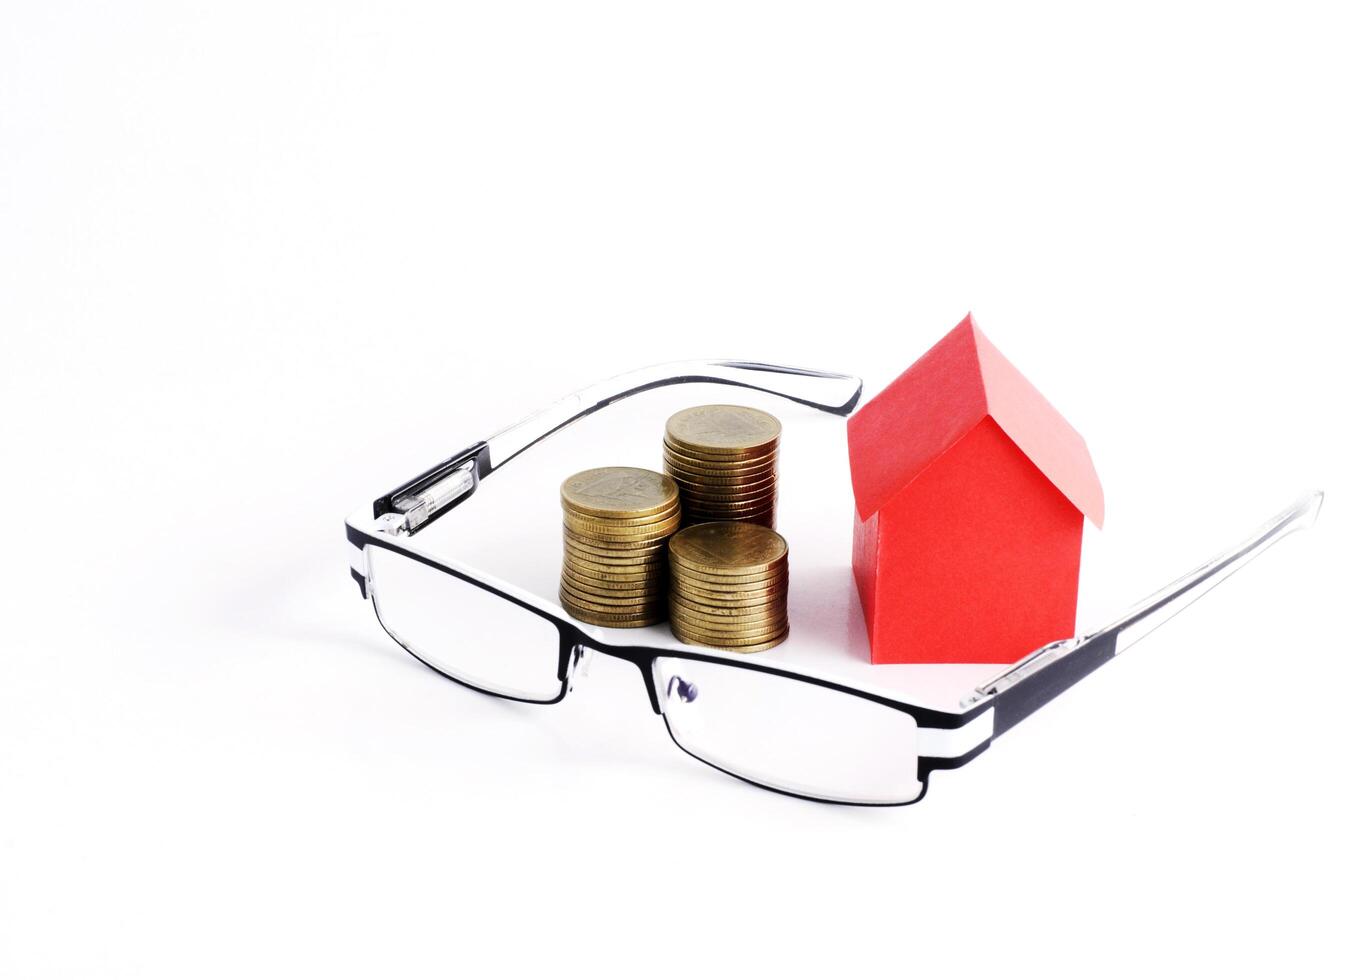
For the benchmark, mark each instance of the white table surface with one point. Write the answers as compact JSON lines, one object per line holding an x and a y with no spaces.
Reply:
{"x":259,"y":262}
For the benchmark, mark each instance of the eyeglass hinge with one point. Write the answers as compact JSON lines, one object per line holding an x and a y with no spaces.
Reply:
{"x":414,"y":510}
{"x":393,"y":524}
{"x":1021,"y":669}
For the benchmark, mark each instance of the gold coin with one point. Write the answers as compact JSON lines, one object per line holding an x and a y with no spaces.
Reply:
{"x":723,"y":622}
{"x":597,"y":584}
{"x":757,"y":503}
{"x":723,"y":595}
{"x":618,"y":492}
{"x":637,"y":578}
{"x":730,"y":609}
{"x":618,"y":545}
{"x":704,"y":580}
{"x":739,"y":644}
{"x":709,"y":515}
{"x":693,"y":458}
{"x":724,"y":429}
{"x":636,"y":610}
{"x":686,"y":633}
{"x":711,"y":456}
{"x":626,"y":523}
{"x":732,"y":478}
{"x":720,"y":593}
{"x":742,"y":504}
{"x":613,"y":622}
{"x":757,"y":629}
{"x":607,"y":600}
{"x":649,"y":593}
{"x":610,"y":621}
{"x":610,"y":601}
{"x":768,"y":521}
{"x":648,"y":590}
{"x":735,"y":647}
{"x":690,"y":490}
{"x":615,"y":564}
{"x":683,"y":630}
{"x":614,"y":573}
{"x":689,"y":485}
{"x":655,"y":559}
{"x":676,"y":457}
{"x":754,"y":502}
{"x":621,"y":560}
{"x":734,"y":483}
{"x":652,"y":550}
{"x":629,"y":536}
{"x":595,"y":568}
{"x":760,"y":629}
{"x":653,"y":547}
{"x":613,"y":545}
{"x":752,"y":505}
{"x":706,"y":465}
{"x":746,"y":456}
{"x":596,"y":599}
{"x":638,"y":534}
{"x":725,"y":548}
{"x":691,"y":496}
{"x":591,"y":520}
{"x":752,"y":499}
{"x":762,"y":518}
{"x":692,"y":600}
{"x":623,"y":556}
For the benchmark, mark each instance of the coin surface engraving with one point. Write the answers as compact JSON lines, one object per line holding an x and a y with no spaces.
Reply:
{"x":618,"y":492}
{"x":723,"y":429}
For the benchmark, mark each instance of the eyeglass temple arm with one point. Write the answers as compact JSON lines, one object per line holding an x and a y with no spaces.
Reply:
{"x":438,"y":489}
{"x":1031,"y":683}
{"x":834,"y":393}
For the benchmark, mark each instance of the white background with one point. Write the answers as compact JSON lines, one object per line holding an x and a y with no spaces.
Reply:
{"x":260,"y":262}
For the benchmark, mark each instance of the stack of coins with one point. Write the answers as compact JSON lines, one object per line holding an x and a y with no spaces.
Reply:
{"x":724,"y":460}
{"x":615,"y":524}
{"x":729,"y":586}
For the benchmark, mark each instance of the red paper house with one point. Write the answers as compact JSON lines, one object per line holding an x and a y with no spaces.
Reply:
{"x":970,"y":493}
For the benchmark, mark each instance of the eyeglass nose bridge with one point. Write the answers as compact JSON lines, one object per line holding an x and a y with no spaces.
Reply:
{"x":643,"y":658}
{"x":579,"y":664}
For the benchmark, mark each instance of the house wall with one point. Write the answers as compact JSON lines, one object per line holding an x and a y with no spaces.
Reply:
{"x":977,"y":560}
{"x":866,"y":534}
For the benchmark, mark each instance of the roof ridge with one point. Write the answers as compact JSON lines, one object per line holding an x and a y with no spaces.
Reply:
{"x":957,"y":383}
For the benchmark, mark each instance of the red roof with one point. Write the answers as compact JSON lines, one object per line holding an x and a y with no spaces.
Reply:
{"x":959,"y":382}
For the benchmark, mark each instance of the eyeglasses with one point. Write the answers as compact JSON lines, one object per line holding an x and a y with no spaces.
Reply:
{"x":778,"y":729}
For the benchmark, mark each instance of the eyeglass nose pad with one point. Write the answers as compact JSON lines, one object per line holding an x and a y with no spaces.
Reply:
{"x":682,"y":689}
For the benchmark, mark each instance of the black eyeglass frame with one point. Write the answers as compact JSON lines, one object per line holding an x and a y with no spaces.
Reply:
{"x":1012,"y":695}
